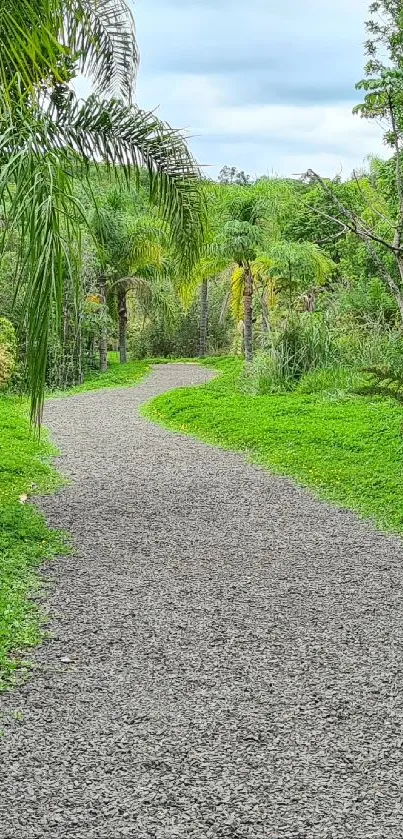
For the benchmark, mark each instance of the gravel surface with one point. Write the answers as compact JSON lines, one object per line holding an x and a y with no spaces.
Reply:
{"x":227,"y":651}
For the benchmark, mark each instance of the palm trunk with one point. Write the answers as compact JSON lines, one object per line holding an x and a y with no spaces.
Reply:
{"x":122,"y":310}
{"x":203,"y":319}
{"x":248,"y":314}
{"x":103,"y":340}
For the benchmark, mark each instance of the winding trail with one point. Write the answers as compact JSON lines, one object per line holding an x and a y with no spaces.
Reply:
{"x":227,"y":659}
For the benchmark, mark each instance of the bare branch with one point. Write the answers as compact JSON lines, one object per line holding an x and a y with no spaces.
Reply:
{"x":387,"y":277}
{"x":399,"y":184}
{"x":355,"y":223}
{"x":331,"y":238}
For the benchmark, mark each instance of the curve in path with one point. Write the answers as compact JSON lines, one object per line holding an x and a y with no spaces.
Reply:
{"x":227,"y":651}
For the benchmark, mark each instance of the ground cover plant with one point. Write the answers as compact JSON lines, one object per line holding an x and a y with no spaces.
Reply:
{"x":25,"y":540}
{"x":347,"y":448}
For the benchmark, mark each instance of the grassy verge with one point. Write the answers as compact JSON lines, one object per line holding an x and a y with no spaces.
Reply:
{"x":348,"y":449}
{"x":25,"y":540}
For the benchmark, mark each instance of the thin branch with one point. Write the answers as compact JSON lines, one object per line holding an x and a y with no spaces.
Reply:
{"x":385,"y":273}
{"x":399,"y":184}
{"x":331,"y":238}
{"x":356,"y":224}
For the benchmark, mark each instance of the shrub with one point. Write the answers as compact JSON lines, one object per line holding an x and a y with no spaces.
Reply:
{"x":367,"y":302}
{"x":303,"y":343}
{"x":8,"y":345}
{"x":177,"y":335}
{"x":361,"y":348}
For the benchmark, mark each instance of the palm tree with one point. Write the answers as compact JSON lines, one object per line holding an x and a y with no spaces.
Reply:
{"x":49,"y":138}
{"x":132,"y":248}
{"x":291,"y":269}
{"x":242,"y":239}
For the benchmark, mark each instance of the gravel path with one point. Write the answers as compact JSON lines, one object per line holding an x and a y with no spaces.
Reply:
{"x":228,"y":652}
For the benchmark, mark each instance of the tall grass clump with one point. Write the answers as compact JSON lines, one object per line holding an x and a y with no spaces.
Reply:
{"x":301,"y":344}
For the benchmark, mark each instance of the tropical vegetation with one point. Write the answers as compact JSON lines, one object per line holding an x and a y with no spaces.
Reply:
{"x":116,"y":252}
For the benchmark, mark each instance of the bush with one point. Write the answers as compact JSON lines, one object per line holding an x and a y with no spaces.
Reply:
{"x":8,"y":347}
{"x":367,"y":302}
{"x":302,"y":344}
{"x":361,"y":348}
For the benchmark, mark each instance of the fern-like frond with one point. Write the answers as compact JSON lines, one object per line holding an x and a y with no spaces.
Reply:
{"x":101,"y":35}
{"x":134,"y":139}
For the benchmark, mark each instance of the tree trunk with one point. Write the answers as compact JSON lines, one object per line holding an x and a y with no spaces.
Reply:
{"x":203,"y":319}
{"x":122,"y":311}
{"x":248,"y":314}
{"x":103,"y":340}
{"x":309,"y":302}
{"x":398,"y":292}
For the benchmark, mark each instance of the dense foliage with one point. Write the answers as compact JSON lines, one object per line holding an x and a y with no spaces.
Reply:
{"x":297,"y":275}
{"x":305,"y":286}
{"x":49,"y":140}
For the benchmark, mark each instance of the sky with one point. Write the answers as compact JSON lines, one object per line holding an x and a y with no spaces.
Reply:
{"x":267,"y":86}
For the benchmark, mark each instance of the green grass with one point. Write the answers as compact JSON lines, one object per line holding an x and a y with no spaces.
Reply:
{"x":25,"y":540}
{"x":348,"y":449}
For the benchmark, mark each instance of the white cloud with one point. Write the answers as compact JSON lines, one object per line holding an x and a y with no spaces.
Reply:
{"x":266,"y":87}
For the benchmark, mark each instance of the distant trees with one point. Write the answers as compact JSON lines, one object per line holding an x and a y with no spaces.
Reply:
{"x":379,"y":224}
{"x":231,"y":175}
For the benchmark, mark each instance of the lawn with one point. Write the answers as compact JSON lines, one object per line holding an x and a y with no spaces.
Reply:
{"x":348,"y":449}
{"x":25,"y":540}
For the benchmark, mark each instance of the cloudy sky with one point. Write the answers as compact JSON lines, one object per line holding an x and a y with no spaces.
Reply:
{"x":264,"y":85}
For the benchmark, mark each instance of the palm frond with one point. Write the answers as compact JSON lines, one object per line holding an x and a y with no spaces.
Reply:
{"x":30,"y":48}
{"x":42,"y":40}
{"x":101,"y":35}
{"x":265,"y":276}
{"x":134,"y":139}
{"x":303,"y":261}
{"x":44,"y":211}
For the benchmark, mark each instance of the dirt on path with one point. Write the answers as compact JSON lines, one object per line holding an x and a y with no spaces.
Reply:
{"x":227,"y":652}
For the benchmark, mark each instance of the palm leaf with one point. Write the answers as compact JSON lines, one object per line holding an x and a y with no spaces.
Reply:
{"x":30,"y":50}
{"x":101,"y":35}
{"x":45,"y":39}
{"x":133,"y":139}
